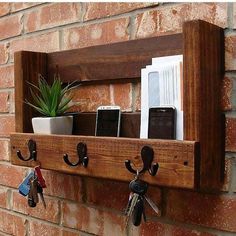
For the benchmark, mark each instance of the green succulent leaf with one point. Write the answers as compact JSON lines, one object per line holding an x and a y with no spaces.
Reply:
{"x":51,"y":100}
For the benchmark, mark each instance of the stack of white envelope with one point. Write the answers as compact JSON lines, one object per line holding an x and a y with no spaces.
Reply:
{"x":162,"y":86}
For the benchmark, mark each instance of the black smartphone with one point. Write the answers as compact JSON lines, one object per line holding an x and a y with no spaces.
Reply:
{"x":108,"y":121}
{"x":161,"y":123}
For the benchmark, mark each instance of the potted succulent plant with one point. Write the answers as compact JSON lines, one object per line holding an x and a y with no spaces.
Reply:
{"x":52,"y":101}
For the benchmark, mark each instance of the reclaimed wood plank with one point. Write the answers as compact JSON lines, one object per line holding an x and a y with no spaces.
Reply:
{"x":107,"y":156}
{"x":130,"y":124}
{"x":27,"y":66}
{"x":122,"y":60}
{"x":203,"y":74}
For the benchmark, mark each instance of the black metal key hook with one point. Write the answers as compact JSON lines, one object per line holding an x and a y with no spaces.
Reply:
{"x":32,"y":150}
{"x":147,"y":155}
{"x":82,"y":154}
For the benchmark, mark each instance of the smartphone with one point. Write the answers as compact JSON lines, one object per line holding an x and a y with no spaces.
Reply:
{"x":162,"y":122}
{"x":108,"y":121}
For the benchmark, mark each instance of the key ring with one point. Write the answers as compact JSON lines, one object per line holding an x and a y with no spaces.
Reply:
{"x":137,"y":174}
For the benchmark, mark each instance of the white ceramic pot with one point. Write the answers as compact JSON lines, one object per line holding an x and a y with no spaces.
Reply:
{"x":53,"y":125}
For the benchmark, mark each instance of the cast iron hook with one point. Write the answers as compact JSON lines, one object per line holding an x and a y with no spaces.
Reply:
{"x":147,"y":155}
{"x":82,"y":154}
{"x":32,"y":150}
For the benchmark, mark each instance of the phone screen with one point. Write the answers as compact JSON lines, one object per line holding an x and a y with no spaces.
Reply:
{"x":108,"y":122}
{"x":161,"y":123}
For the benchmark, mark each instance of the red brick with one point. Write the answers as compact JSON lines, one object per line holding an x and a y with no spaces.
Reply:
{"x":47,"y":42}
{"x":11,"y":175}
{"x":149,"y":229}
{"x":202,"y":209}
{"x":3,"y":197}
{"x":175,"y":231}
{"x":7,"y":76}
{"x":226,"y":94}
{"x":52,"y":15}
{"x":146,"y":24}
{"x":121,"y":95}
{"x":234,"y":16}
{"x":10,"y":26}
{"x":4,"y":101}
{"x":69,"y":233}
{"x":70,"y":185}
{"x":4,"y":150}
{"x":90,"y":97}
{"x":37,"y":228}
{"x":215,"y":13}
{"x":233,"y":181}
{"x":137,"y":97}
{"x":4,"y":54}
{"x":92,"y":220}
{"x":154,"y":194}
{"x":12,"y":102}
{"x":170,"y":18}
{"x":152,"y":228}
{"x":4,"y":8}
{"x":230,"y":139}
{"x":230,"y":52}
{"x":227,"y":175}
{"x":7,"y":125}
{"x":18,"y":6}
{"x":118,"y":199}
{"x":97,"y":10}
{"x":96,"y":34}
{"x":105,"y":198}
{"x":51,"y":214}
{"x":12,"y":224}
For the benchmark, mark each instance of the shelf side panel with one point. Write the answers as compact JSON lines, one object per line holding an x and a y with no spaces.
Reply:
{"x":27,"y":66}
{"x":203,"y":120}
{"x":107,"y":157}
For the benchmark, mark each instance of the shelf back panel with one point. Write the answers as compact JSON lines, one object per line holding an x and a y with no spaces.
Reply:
{"x":123,"y":60}
{"x":130,"y":124}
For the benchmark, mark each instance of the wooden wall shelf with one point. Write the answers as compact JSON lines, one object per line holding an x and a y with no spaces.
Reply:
{"x":202,"y":46}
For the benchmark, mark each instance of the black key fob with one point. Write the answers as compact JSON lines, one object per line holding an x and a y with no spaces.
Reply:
{"x":31,"y":202}
{"x":138,"y":186}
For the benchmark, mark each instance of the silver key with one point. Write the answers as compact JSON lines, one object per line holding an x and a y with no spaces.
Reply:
{"x":132,"y":204}
{"x":130,"y":209}
{"x":152,"y":204}
{"x":129,"y":203}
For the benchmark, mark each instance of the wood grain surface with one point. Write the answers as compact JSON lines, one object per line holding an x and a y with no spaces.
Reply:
{"x":27,"y":66}
{"x":129,"y":124}
{"x":203,"y":74}
{"x":107,"y":157}
{"x":123,"y":60}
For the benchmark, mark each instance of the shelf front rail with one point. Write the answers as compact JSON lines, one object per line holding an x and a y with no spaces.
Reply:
{"x":178,"y":160}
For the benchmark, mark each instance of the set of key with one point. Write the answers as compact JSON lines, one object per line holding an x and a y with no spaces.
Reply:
{"x":135,"y":207}
{"x":32,"y":186}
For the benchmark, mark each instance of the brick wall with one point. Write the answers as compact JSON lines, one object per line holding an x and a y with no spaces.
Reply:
{"x":86,"y":206}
